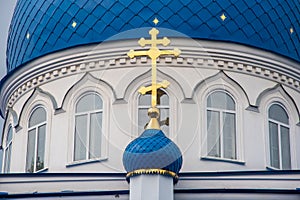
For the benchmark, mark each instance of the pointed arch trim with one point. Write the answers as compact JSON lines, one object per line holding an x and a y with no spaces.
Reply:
{"x":37,"y":92}
{"x":87,"y":77}
{"x":223,"y":77}
{"x":278,"y":88}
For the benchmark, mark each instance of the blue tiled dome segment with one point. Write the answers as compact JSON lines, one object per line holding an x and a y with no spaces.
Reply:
{"x":152,"y":150}
{"x":42,"y":27}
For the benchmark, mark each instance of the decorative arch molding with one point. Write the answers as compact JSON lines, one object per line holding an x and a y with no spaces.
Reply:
{"x":221,"y":79}
{"x":278,"y":93}
{"x":12,"y":114}
{"x":145,"y":78}
{"x":87,"y":80}
{"x":221,"y":82}
{"x":88,"y":84}
{"x":38,"y":96}
{"x":11,"y":119}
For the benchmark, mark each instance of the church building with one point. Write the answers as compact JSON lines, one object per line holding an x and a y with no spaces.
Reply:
{"x":152,"y":100}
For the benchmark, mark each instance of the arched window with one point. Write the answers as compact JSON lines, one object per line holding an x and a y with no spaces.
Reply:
{"x":7,"y":150}
{"x":35,"y":160}
{"x":88,"y":127}
{"x":221,"y":125}
{"x":162,"y":105}
{"x":279,"y":137}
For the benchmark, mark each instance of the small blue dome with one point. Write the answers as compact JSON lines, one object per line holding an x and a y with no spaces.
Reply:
{"x":40,"y":27}
{"x":152,"y":150}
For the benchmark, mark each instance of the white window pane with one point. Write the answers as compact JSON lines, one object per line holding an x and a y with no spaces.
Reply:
{"x":274,"y":146}
{"x":220,"y":100}
{"x":80,"y":137}
{"x":40,"y":159}
{"x":30,"y":151}
{"x":143,"y":119}
{"x":162,"y":98}
{"x":9,"y":135}
{"x":95,"y":135}
{"x":285,"y":148}
{"x":145,"y":100}
{"x":229,"y":133}
{"x":164,"y":120}
{"x":38,"y":116}
{"x":162,"y":105}
{"x":276,"y":112}
{"x":7,"y":159}
{"x":6,"y":154}
{"x":213,"y":133}
{"x":7,"y":150}
{"x":89,"y":102}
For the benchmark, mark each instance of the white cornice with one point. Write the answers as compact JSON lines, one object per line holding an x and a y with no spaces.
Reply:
{"x":112,"y":55}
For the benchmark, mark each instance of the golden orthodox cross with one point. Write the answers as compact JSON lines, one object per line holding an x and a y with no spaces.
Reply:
{"x":154,"y":53}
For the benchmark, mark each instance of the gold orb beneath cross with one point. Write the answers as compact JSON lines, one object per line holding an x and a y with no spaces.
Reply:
{"x":153,"y":113}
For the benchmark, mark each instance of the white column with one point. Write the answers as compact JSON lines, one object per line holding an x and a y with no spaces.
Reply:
{"x":151,"y":187}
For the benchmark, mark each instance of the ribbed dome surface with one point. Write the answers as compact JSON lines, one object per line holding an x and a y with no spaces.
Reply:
{"x":152,"y":150}
{"x":42,"y":27}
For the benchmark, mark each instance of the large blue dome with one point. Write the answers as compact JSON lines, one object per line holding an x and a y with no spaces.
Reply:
{"x":42,"y":27}
{"x":152,"y":150}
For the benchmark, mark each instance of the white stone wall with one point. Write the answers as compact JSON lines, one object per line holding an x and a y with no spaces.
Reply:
{"x":254,"y":77}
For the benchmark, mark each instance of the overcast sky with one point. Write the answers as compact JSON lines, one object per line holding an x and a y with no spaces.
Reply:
{"x":6,"y":12}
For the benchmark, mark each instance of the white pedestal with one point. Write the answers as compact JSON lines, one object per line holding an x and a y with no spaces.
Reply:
{"x":151,"y":187}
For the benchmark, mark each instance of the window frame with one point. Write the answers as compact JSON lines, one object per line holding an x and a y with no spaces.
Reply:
{"x":8,"y":147}
{"x":278,"y":126}
{"x":158,"y":106}
{"x":264,"y":101}
{"x":36,"y":127}
{"x":88,"y":114}
{"x":76,"y":96}
{"x":221,"y":123}
{"x":240,"y":103}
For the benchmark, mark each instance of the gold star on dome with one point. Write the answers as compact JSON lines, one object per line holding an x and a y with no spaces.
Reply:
{"x":291,"y":30}
{"x":223,"y":17}
{"x":74,"y":24}
{"x":155,"y":21}
{"x":28,"y":36}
